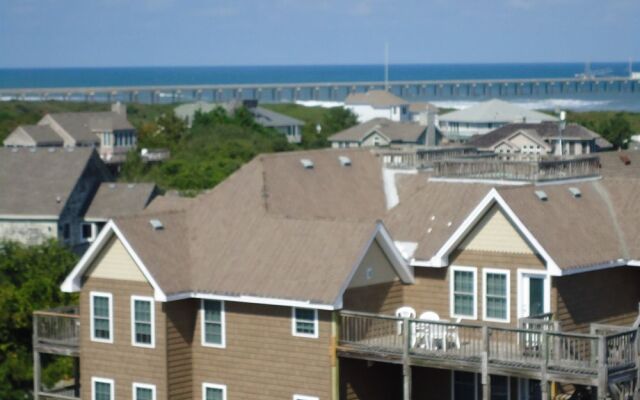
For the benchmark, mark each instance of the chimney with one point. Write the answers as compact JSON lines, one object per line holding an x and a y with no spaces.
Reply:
{"x":431,"y":139}
{"x":119,"y":108}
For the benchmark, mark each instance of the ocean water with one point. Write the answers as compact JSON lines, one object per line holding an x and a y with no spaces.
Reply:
{"x":143,"y":76}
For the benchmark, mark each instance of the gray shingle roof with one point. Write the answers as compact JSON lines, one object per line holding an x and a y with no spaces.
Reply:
{"x":496,"y":111}
{"x":395,"y":131}
{"x":544,"y":130}
{"x":82,"y":125}
{"x":37,"y":181}
{"x":120,"y":199}
{"x":375,"y":98}
{"x":273,"y":119}
{"x":42,"y":135}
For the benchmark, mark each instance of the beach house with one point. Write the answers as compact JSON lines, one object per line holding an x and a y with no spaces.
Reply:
{"x":378,"y":104}
{"x":324,"y":274}
{"x":486,"y":116}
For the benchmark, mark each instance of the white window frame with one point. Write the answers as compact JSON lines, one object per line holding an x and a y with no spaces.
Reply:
{"x":485,"y":272}
{"x":206,"y":386}
{"x":133,"y":322}
{"x":111,"y":382}
{"x":223,"y":326}
{"x":137,"y":385}
{"x":91,"y":237}
{"x":294,"y":321}
{"x":523,"y":292}
{"x":452,"y":307}
{"x":303,"y":397}
{"x":109,"y":296}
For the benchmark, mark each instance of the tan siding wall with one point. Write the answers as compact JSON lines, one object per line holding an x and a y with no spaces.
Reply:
{"x":383,"y":298}
{"x":381,"y":268}
{"x":608,"y":296}
{"x":262,"y":359}
{"x":181,"y":319}
{"x":121,"y":361}
{"x":114,"y":262}
{"x":496,"y":234}
{"x":431,"y":290}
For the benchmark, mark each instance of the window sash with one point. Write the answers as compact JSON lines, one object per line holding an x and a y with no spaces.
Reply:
{"x":305,"y":321}
{"x":101,"y":390}
{"x":213,"y":332}
{"x":463,"y":292}
{"x":214,"y":394}
{"x":101,"y":317}
{"x":143,"y":393}
{"x":143,"y":321}
{"x":496,"y":295}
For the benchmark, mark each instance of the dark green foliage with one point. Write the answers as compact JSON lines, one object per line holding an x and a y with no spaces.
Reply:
{"x":616,"y":127}
{"x":330,"y":120}
{"x":29,"y":280}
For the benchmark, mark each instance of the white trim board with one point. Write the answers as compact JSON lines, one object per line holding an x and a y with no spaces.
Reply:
{"x":441,"y":258}
{"x":73,"y":282}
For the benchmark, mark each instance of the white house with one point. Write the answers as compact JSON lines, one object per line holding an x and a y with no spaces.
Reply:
{"x":487,"y":116}
{"x":378,"y":104}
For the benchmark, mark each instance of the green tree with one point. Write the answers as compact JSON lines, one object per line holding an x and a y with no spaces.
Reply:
{"x":29,"y":280}
{"x":617,"y":130}
{"x":337,"y":119}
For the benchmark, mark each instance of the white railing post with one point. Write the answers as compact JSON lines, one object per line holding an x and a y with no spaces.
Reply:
{"x":406,"y":367}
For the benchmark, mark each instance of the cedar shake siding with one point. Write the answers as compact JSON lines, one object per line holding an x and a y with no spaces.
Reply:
{"x":607,"y":296}
{"x":181,"y":318}
{"x":120,"y":360}
{"x":262,"y":359}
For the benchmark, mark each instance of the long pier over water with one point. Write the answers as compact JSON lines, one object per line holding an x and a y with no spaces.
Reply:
{"x":332,"y":91}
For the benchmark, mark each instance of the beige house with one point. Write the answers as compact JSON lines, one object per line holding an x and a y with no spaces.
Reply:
{"x":378,"y":104}
{"x":110,"y":132}
{"x":320,"y":275}
{"x":380,"y":132}
{"x":515,"y":141}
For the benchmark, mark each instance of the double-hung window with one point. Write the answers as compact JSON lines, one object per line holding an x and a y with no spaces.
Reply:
{"x":142,"y":321}
{"x":143,"y":391}
{"x":212,"y":391}
{"x":463,"y":292}
{"x":213,"y":329}
{"x":102,"y":389}
{"x":101,"y":317}
{"x":305,"y":322}
{"x":496,"y":295}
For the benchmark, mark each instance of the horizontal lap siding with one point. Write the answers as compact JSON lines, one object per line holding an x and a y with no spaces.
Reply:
{"x":431,"y":290}
{"x":121,"y":361}
{"x":262,"y":359}
{"x":181,"y":318}
{"x":608,"y":296}
{"x":383,"y":298}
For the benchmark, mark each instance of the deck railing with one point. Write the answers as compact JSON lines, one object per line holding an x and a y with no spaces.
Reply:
{"x":525,"y":171}
{"x":547,"y":350}
{"x":421,"y":158}
{"x":58,"y":327}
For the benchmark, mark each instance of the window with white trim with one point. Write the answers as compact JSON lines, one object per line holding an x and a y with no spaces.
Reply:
{"x":301,"y":397}
{"x":496,"y":295}
{"x":463,"y":292}
{"x":211,"y":391}
{"x":102,"y":389}
{"x":213,"y":326}
{"x":143,"y":391}
{"x":101,"y":317}
{"x":305,"y":322}
{"x":142,"y":321}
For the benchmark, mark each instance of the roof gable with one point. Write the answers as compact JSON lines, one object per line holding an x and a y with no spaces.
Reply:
{"x":495,"y":233}
{"x":115,"y":262}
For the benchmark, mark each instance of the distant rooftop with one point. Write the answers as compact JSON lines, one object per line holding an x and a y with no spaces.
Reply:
{"x":375,"y":98}
{"x":496,"y":111}
{"x":120,"y":199}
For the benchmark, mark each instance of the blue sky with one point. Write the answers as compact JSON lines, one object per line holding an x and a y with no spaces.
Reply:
{"x":60,"y":33}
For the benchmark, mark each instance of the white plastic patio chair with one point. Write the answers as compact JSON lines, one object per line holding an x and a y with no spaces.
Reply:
{"x":429,"y":334}
{"x":405,"y":312}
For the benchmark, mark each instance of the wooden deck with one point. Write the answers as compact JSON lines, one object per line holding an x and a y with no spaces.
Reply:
{"x":546,"y":355}
{"x":56,"y":332}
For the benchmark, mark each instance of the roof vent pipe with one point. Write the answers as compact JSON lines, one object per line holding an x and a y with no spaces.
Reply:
{"x":306,"y":163}
{"x":541,"y":195}
{"x":345,"y":161}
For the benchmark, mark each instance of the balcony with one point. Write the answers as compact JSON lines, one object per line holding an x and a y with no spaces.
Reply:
{"x":518,"y":171}
{"x":56,"y":332}
{"x":536,"y":351}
